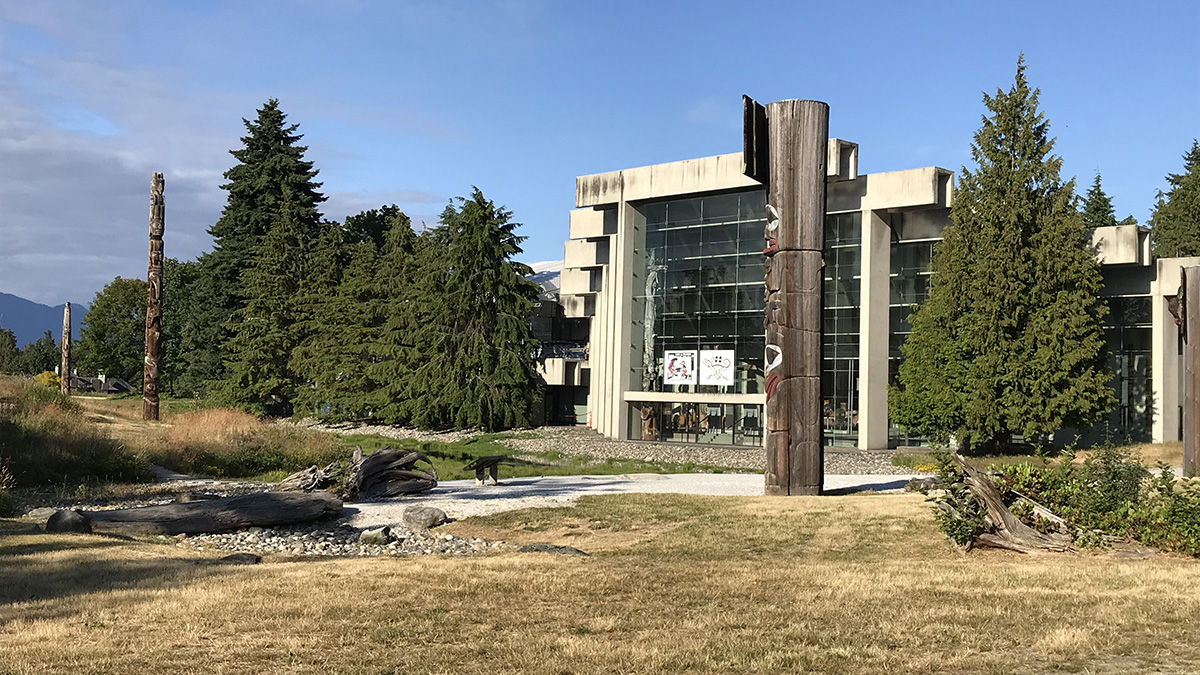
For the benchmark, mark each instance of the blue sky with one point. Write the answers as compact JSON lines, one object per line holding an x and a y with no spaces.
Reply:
{"x":414,"y":102}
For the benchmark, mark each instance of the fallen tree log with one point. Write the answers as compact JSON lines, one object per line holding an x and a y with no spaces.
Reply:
{"x":1003,"y":529}
{"x":312,"y":478}
{"x":260,"y":509}
{"x":388,"y":473}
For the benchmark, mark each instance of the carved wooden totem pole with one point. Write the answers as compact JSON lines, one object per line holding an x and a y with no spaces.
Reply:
{"x":64,"y":366}
{"x":1189,"y":323}
{"x":153,"y":300}
{"x":784,"y":146}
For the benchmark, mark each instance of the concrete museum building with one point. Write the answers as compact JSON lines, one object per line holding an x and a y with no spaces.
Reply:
{"x":662,"y":287}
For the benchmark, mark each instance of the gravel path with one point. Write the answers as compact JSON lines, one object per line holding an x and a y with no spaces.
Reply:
{"x":582,"y":441}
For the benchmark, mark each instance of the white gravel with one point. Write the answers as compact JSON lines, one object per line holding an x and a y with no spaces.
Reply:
{"x":463,"y":498}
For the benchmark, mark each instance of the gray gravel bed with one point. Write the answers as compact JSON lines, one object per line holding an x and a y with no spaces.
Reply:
{"x":583,"y":441}
{"x":341,"y":540}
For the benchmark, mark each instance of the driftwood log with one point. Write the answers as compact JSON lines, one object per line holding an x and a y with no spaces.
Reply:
{"x":260,"y":509}
{"x":312,"y":478}
{"x":1002,"y":528}
{"x":388,"y":473}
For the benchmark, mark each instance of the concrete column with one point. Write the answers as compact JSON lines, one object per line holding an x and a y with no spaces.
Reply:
{"x":873,"y":331}
{"x":625,"y":278}
{"x":1164,"y":365}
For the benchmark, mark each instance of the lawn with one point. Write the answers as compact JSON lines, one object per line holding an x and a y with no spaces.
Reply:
{"x":854,"y":584}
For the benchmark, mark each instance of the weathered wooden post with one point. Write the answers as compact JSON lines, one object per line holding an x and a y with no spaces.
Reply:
{"x":64,"y":366}
{"x":153,"y":300}
{"x":784,"y":146}
{"x":1189,"y":310}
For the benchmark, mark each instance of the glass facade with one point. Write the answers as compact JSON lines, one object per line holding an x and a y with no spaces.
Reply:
{"x":690,"y":422}
{"x":1128,"y":336}
{"x":843,"y":279}
{"x":913,"y":238}
{"x":701,"y":288}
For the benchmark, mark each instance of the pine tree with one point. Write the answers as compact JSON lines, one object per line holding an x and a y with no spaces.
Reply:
{"x":263,"y":330}
{"x":1097,"y":207}
{"x":41,"y":355}
{"x":479,"y":369}
{"x":397,"y":351}
{"x":350,"y":319}
{"x":325,"y":262}
{"x":270,"y":162}
{"x":9,"y":354}
{"x":180,"y":340}
{"x":1175,"y":224}
{"x":1010,"y":339}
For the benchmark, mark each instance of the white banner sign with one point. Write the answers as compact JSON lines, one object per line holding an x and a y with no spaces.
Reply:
{"x":679,"y":366}
{"x":716,"y":367}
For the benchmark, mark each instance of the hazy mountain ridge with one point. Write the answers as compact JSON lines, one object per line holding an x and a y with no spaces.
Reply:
{"x":28,"y":320}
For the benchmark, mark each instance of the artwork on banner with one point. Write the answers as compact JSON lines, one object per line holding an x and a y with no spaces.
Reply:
{"x":679,"y":366}
{"x":716,"y":367}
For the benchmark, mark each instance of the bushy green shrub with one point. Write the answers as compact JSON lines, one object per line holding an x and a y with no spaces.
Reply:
{"x":1111,"y":493}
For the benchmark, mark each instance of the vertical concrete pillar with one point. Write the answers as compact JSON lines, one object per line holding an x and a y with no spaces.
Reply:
{"x":874,"y":331}
{"x":625,"y":278}
{"x":1164,"y":362}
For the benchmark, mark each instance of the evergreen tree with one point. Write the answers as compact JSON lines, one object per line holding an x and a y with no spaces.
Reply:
{"x":112,"y":340}
{"x":403,"y":287}
{"x":9,"y":354}
{"x":180,"y":339}
{"x":325,"y":262}
{"x":338,"y":354}
{"x":1010,"y":339}
{"x":1097,"y":207}
{"x":479,"y":368}
{"x":270,"y":163}
{"x":372,"y":225}
{"x":1175,"y":224}
{"x":40,"y":356}
{"x":264,"y":330}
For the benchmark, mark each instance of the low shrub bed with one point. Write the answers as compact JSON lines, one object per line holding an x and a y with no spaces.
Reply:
{"x":1110,"y":494}
{"x":45,"y":441}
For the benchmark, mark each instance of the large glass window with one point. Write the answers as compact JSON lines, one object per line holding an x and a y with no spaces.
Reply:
{"x":702,"y":287}
{"x":1128,"y":335}
{"x":690,"y":422}
{"x":843,"y":278}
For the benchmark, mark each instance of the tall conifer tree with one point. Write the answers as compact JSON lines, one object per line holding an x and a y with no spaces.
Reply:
{"x":404,"y":288}
{"x":1010,"y":339}
{"x":270,"y":162}
{"x":1175,"y":225}
{"x":1097,"y":207}
{"x":315,"y":308}
{"x":264,"y":329}
{"x":479,"y":368}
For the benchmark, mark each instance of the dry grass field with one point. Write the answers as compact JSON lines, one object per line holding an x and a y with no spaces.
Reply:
{"x":853,"y":584}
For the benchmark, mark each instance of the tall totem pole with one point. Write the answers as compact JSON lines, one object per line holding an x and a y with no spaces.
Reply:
{"x":64,"y":367}
{"x":784,"y":147}
{"x":153,"y":300}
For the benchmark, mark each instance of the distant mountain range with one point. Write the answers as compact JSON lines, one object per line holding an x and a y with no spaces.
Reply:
{"x":29,"y":320}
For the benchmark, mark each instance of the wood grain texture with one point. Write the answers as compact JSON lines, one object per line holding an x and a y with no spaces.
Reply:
{"x":261,"y":509}
{"x":798,"y":140}
{"x":154,"y":299}
{"x":64,"y":368}
{"x":1190,"y":292}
